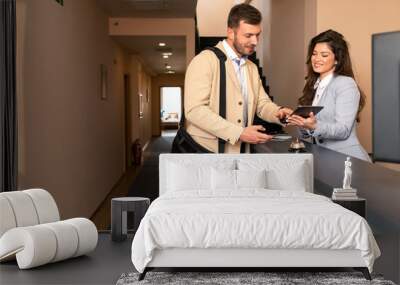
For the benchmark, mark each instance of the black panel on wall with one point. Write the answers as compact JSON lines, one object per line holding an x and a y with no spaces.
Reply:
{"x":386,"y":96}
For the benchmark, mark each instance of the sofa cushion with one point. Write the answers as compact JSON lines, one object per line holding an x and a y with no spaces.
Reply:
{"x":23,"y":208}
{"x":45,"y":205}
{"x":7,"y":220}
{"x":40,"y":244}
{"x":27,"y":208}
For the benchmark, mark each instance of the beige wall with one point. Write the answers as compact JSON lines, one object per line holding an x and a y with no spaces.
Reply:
{"x":212,"y":16}
{"x":156,"y":27}
{"x":70,"y":142}
{"x":357,"y":20}
{"x":310,"y":26}
{"x":264,"y":47}
{"x":287,"y":51}
{"x":163,"y":80}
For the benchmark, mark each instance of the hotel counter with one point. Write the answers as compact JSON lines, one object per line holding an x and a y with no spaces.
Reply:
{"x":380,"y":186}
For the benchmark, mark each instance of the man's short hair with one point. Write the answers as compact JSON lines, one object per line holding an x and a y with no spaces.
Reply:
{"x":245,"y":12}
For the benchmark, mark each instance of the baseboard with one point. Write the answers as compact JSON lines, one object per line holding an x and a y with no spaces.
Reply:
{"x":115,"y":191}
{"x":146,"y":145}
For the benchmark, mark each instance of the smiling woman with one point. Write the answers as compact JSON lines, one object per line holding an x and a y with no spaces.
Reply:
{"x":330,"y":83}
{"x":323,"y":60}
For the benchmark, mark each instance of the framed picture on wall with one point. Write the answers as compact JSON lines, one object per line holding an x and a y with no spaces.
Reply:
{"x":103,"y":81}
{"x":141,"y":105}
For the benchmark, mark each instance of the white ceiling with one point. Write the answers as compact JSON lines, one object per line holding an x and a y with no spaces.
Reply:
{"x":147,"y":46}
{"x":148,"y":49}
{"x":150,"y":8}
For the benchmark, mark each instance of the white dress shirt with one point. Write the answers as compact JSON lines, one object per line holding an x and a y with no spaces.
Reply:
{"x":320,"y":85}
{"x":238,"y":64}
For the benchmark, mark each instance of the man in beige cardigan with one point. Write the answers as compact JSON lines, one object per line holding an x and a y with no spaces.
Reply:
{"x":245,"y":94}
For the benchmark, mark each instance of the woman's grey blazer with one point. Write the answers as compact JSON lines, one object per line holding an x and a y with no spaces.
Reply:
{"x":336,"y":122}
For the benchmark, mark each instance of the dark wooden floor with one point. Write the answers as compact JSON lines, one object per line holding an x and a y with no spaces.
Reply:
{"x":140,"y":180}
{"x":102,"y":217}
{"x":102,"y":266}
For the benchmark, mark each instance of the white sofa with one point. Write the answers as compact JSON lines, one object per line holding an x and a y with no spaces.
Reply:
{"x":31,"y":230}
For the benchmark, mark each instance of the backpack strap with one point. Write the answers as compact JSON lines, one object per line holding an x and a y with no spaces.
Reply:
{"x":222,"y":94}
{"x":222,"y":90}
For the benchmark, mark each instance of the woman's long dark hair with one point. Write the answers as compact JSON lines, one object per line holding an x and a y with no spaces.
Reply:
{"x":339,"y":47}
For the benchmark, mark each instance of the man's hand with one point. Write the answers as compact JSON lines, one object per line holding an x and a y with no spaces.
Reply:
{"x":283,"y":113}
{"x":253,"y":135}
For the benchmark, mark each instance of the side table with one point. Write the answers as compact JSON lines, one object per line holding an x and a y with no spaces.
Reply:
{"x":358,"y":205}
{"x":119,"y":208}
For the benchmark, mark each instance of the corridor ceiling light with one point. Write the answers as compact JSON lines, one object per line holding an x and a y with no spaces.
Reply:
{"x":165,"y":56}
{"x":167,"y":66}
{"x":161,"y":44}
{"x":170,"y":71}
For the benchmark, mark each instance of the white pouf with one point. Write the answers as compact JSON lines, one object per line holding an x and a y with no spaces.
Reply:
{"x":31,"y":232}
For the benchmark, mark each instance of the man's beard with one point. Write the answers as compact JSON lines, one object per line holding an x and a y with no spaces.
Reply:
{"x":241,"y":49}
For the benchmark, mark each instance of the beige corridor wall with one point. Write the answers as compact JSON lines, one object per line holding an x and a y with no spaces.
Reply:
{"x":357,"y":20}
{"x":140,"y":83}
{"x":145,"y":94}
{"x":162,"y":80}
{"x":70,"y":141}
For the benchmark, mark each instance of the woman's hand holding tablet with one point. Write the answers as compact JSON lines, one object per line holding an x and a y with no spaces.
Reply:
{"x":304,"y":112}
{"x":304,"y":117}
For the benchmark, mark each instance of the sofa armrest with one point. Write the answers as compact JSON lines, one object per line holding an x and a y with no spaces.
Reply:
{"x":40,"y":244}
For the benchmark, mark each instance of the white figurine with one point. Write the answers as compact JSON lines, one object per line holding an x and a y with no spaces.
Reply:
{"x":347,"y":174}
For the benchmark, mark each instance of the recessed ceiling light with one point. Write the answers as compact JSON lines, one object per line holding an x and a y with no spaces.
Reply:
{"x":168,"y":66}
{"x":161,"y":44}
{"x":165,"y":56}
{"x":170,"y":71}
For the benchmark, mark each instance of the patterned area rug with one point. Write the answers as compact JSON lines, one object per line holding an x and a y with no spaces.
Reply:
{"x":243,"y":278}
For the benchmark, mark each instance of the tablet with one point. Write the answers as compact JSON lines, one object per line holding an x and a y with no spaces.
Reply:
{"x":304,"y":111}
